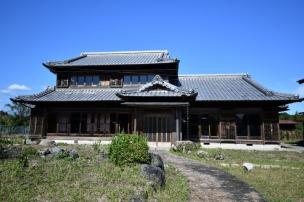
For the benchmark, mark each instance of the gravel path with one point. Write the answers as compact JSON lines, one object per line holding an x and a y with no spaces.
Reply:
{"x":209,"y":183}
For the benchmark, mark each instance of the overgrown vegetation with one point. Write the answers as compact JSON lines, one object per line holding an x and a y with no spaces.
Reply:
{"x":87,"y":179}
{"x":16,"y":115}
{"x":283,"y":182}
{"x":129,"y":149}
{"x":298,"y":135}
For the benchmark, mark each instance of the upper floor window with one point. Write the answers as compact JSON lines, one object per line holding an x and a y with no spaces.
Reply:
{"x":137,"y":79}
{"x":87,"y":80}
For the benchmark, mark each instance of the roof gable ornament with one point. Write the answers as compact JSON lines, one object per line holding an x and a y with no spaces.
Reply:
{"x":158,"y":83}
{"x":158,"y":87}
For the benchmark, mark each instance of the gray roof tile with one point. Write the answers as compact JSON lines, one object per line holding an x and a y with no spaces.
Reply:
{"x":117,"y":58}
{"x":238,"y":87}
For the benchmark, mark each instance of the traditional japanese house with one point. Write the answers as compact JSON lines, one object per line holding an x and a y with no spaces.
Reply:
{"x":105,"y":93}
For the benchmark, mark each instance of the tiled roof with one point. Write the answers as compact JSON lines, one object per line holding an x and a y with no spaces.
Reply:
{"x":223,"y":87}
{"x":116,"y":58}
{"x":230,"y":87}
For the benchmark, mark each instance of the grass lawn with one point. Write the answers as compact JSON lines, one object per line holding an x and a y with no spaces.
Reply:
{"x":85,"y":179}
{"x":275,"y":184}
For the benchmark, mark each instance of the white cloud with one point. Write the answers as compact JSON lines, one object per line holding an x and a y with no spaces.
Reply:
{"x":18,"y":87}
{"x":14,"y":87}
{"x":300,"y":91}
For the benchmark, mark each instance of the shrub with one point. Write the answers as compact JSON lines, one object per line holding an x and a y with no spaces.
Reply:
{"x":185,"y":146}
{"x":29,"y":151}
{"x":128,"y":149}
{"x":6,"y":141}
{"x":63,"y":155}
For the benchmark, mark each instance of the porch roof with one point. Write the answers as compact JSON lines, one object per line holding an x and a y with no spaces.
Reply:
{"x":223,"y":87}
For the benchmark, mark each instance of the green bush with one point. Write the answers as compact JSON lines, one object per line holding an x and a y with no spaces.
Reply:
{"x":129,"y":149}
{"x":29,"y":151}
{"x":63,"y":155}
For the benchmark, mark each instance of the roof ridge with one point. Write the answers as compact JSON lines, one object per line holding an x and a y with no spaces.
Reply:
{"x":211,"y":75}
{"x":123,"y":52}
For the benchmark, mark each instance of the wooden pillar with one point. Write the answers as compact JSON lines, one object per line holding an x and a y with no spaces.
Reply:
{"x":135,"y":121}
{"x":177,"y":124}
{"x":35,"y":125}
{"x":80,"y":118}
{"x":263,"y":132}
{"x":209,"y":130}
{"x":248,"y":131}
{"x":57,"y":124}
{"x":220,"y":130}
{"x":235,"y":131}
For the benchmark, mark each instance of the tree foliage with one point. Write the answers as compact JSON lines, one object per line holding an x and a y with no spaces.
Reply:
{"x":16,"y":114}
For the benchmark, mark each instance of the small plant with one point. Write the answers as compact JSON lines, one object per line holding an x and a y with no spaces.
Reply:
{"x":61,"y":144}
{"x":6,"y":141}
{"x":29,"y":151}
{"x":96,"y":146}
{"x":23,"y":160}
{"x":63,"y":155}
{"x":129,"y":149}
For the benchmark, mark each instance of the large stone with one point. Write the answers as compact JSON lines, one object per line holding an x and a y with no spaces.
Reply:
{"x":139,"y":196}
{"x":47,"y":143}
{"x":73,"y":154}
{"x":201,"y":154}
{"x":44,"y":152}
{"x":56,"y":150}
{"x":157,"y":161}
{"x":154,"y":175}
{"x":219,"y":156}
{"x":248,"y":166}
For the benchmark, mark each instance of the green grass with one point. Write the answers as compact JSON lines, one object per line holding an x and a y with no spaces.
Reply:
{"x":86,"y":179}
{"x":275,"y":184}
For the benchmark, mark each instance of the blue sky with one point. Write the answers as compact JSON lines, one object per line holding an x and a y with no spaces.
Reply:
{"x":262,"y":38}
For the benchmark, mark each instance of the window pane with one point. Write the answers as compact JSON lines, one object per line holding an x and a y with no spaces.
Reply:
{"x":127,"y":79}
{"x":143,"y":78}
{"x":96,"y":80}
{"x":150,"y":77}
{"x":135,"y":79}
{"x":80,"y":80}
{"x":73,"y":80}
{"x":88,"y":80}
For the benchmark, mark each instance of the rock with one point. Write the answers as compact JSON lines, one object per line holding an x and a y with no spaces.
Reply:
{"x":219,"y":157}
{"x":248,"y":166}
{"x":154,"y":175}
{"x":28,"y":141}
{"x":157,"y":161}
{"x":201,"y":154}
{"x":56,"y":150}
{"x":44,"y":152}
{"x":139,"y":196}
{"x":73,"y":153}
{"x":189,"y":152}
{"x":47,"y":143}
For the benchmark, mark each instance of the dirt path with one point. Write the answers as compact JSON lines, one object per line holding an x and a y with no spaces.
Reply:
{"x":209,"y":183}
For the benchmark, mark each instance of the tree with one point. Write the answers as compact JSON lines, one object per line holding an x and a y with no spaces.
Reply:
{"x":19,"y":113}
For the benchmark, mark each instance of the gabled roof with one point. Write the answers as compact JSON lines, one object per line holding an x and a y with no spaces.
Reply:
{"x":158,"y":88}
{"x":216,"y":87}
{"x":115,"y":58}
